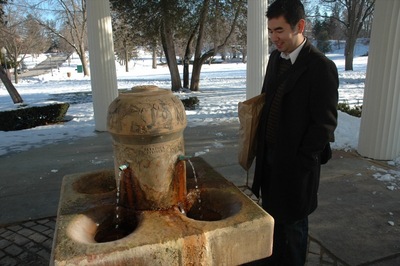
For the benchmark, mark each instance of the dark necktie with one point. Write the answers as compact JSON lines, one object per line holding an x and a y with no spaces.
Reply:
{"x":274,"y":111}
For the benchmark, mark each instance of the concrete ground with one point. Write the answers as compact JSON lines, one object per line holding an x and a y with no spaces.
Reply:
{"x":357,"y":221}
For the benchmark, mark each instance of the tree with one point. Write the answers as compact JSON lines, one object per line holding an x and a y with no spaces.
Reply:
{"x":21,"y":35}
{"x":321,"y":32}
{"x":223,"y":14}
{"x":336,"y":29}
{"x":158,"y":21}
{"x":124,"y":44}
{"x":240,"y":36}
{"x":36,"y":38}
{"x":2,"y":3}
{"x":188,"y":35}
{"x":188,"y":55}
{"x":127,"y":37}
{"x":204,"y":27}
{"x":70,"y":25}
{"x":16,"y":98}
{"x":139,"y":22}
{"x":169,"y":12}
{"x":354,"y":14}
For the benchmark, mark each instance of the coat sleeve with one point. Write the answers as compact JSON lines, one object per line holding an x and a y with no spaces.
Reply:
{"x":323,"y":105}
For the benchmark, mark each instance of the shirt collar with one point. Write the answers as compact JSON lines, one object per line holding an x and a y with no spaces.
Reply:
{"x":293,"y":55}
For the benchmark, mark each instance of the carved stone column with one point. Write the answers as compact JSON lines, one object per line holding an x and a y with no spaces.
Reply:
{"x":379,"y":136}
{"x":102,"y":60}
{"x":257,"y":46}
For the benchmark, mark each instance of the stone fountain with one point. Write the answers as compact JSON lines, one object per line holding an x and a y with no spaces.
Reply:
{"x":157,"y":206}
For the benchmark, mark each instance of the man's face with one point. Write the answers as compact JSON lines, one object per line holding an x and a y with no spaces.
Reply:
{"x":283,"y":36}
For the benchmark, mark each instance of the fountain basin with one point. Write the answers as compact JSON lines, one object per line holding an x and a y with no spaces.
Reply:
{"x":228,"y":228}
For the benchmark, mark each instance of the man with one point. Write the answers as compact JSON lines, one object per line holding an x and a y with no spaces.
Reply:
{"x":297,"y":122}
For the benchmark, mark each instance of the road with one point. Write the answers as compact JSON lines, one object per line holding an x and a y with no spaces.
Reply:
{"x":48,"y":65}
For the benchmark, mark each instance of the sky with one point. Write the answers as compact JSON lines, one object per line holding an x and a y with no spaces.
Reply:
{"x":43,"y":9}
{"x":222,"y":86}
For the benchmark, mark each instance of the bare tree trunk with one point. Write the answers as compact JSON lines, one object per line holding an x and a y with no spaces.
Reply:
{"x":195,"y":81}
{"x":349,"y":52}
{"x":197,"y":63}
{"x":357,"y":13}
{"x":16,"y":67}
{"x":169,"y":50}
{"x":244,"y":54}
{"x":126,"y":59}
{"x":200,"y":59}
{"x":82,"y":57}
{"x":10,"y":87}
{"x":154,"y":58}
{"x":186,"y":63}
{"x":16,"y":74}
{"x":186,"y":59}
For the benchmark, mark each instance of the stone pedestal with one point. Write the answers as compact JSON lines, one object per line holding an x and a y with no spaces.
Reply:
{"x":147,"y":125}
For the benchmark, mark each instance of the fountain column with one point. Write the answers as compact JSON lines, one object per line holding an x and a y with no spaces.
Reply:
{"x":379,"y":136}
{"x":257,"y":46}
{"x":102,"y":60}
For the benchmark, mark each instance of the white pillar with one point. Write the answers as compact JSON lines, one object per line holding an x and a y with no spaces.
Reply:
{"x":257,"y":46}
{"x":102,"y":60}
{"x":379,"y":136}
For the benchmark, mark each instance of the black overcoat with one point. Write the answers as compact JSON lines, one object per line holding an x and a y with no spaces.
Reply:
{"x":308,"y":118}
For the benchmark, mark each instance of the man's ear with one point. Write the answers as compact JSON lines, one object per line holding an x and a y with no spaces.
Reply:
{"x":301,"y":26}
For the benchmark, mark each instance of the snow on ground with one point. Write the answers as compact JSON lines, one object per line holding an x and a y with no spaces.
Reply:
{"x":222,"y":87}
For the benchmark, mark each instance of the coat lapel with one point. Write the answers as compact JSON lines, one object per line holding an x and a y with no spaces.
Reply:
{"x":271,"y":74}
{"x":299,"y":67}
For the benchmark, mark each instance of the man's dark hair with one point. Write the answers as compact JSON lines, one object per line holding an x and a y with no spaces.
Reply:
{"x":291,"y":10}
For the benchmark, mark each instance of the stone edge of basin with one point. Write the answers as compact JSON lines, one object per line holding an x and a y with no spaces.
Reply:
{"x":166,"y":237}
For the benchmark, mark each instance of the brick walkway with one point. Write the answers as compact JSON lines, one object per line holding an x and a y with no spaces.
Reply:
{"x":27,"y":243}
